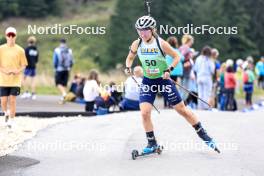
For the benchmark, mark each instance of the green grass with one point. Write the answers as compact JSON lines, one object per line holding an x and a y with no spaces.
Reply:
{"x":47,"y":90}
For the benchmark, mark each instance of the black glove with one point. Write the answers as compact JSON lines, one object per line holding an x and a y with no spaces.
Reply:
{"x":168,"y":69}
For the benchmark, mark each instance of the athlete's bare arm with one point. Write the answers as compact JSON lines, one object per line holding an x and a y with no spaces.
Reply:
{"x":132,"y":53}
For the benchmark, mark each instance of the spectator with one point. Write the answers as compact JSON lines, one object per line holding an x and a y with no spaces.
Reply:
{"x":185,"y":49}
{"x":91,"y":91}
{"x":74,"y":83}
{"x":131,"y":99}
{"x":102,"y":101}
{"x":177,"y":72}
{"x":12,"y":62}
{"x":250,"y":60}
{"x":30,"y":72}
{"x":191,"y":100}
{"x":239,"y":74}
{"x":230,"y":85}
{"x":115,"y":95}
{"x":229,"y":63}
{"x":222,"y":93}
{"x":204,"y":68}
{"x":215,"y":55}
{"x":79,"y":89}
{"x":63,"y":62}
{"x":260,"y":72}
{"x":76,"y":90}
{"x":248,"y":80}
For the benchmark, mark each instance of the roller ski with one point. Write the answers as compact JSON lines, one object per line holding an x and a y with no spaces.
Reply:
{"x":150,"y":149}
{"x":204,"y":136}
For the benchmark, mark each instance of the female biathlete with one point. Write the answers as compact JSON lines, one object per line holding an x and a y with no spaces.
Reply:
{"x":150,"y":49}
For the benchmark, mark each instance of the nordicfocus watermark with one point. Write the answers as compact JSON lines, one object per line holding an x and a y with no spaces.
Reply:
{"x":198,"y":146}
{"x":67,"y":146}
{"x":137,"y":88}
{"x":58,"y":29}
{"x":200,"y":30}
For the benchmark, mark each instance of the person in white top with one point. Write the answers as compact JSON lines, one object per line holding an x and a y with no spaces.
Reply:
{"x":91,"y":90}
{"x":131,"y":99}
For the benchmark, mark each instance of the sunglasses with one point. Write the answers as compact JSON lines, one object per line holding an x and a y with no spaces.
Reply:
{"x":11,"y":35}
{"x":146,"y":29}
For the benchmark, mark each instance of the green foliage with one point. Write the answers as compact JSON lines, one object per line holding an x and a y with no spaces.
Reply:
{"x":246,"y":15}
{"x":89,"y":51}
{"x":122,"y":30}
{"x":107,"y":50}
{"x":256,"y":25}
{"x":30,"y":8}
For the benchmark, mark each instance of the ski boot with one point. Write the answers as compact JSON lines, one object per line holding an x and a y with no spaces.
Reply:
{"x":205,"y":137}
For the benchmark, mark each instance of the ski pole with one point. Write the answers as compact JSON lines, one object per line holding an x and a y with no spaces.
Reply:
{"x":148,"y":6}
{"x":191,"y":93}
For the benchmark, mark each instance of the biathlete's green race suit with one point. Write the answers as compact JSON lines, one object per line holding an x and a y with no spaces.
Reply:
{"x":154,"y":65}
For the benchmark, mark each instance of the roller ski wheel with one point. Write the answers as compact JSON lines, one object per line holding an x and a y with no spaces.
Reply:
{"x":136,"y":154}
{"x":159,"y":150}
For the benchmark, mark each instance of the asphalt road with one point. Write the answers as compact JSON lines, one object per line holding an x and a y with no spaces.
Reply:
{"x":47,"y":103}
{"x":103,"y":145}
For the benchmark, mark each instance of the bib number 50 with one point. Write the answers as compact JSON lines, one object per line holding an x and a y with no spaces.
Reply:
{"x":150,"y":62}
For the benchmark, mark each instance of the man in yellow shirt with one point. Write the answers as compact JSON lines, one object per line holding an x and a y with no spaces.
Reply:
{"x":12,"y":62}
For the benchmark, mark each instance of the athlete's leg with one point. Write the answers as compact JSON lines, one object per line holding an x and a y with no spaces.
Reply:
{"x":175,"y":100}
{"x":147,"y":98}
{"x":145,"y":109}
{"x":186,"y":113}
{"x":193,"y":120}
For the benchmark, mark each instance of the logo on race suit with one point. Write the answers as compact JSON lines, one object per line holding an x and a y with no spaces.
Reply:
{"x":152,"y":71}
{"x":149,"y":51}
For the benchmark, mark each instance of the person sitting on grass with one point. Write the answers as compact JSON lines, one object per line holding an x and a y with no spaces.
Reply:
{"x":115,"y":95}
{"x":76,"y":90}
{"x":91,"y":91}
